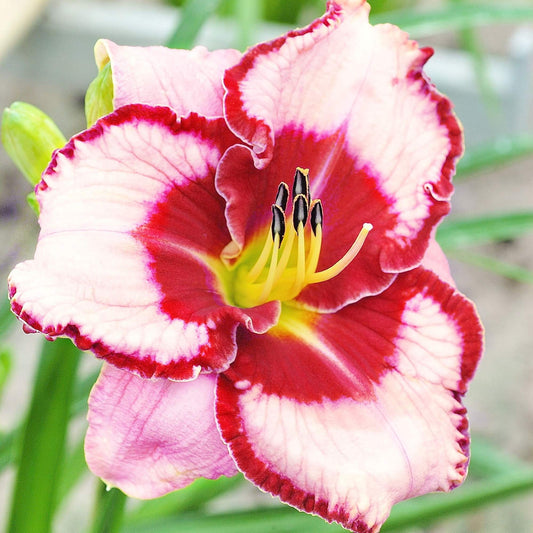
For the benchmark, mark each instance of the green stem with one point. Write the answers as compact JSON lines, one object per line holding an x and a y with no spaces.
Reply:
{"x":108,"y":511}
{"x":248,"y":14}
{"x":43,"y":442}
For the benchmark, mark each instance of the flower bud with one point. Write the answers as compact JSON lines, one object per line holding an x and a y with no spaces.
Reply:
{"x":99,"y":96}
{"x":29,"y":137}
{"x":31,"y":199}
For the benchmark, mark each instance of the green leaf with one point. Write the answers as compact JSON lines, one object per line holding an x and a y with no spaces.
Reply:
{"x":29,"y":137}
{"x":9,"y":449}
{"x":281,"y":519}
{"x":109,"y":510}
{"x":421,"y":22}
{"x":428,"y":509}
{"x":193,"y":16}
{"x":501,"y":151}
{"x":514,"y":272}
{"x":99,"y":96}
{"x":74,"y":467}
{"x":487,"y":460}
{"x":5,"y":367}
{"x":462,"y":233}
{"x":191,"y":498}
{"x":81,"y":393}
{"x":43,"y":442}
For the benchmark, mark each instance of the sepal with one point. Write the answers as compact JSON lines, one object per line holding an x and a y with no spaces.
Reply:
{"x":99,"y":96}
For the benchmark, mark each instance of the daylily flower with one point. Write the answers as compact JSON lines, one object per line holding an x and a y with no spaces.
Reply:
{"x":247,"y":241}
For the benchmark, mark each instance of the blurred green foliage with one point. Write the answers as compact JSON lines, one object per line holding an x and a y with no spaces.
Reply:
{"x":293,"y":11}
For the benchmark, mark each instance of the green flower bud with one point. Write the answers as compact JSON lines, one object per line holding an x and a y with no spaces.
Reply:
{"x":33,"y":203}
{"x":29,"y":137}
{"x":99,"y":96}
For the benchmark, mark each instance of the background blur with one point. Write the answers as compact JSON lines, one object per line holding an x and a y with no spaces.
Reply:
{"x":483,"y":63}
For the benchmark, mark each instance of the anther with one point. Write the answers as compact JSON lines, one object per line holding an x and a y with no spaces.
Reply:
{"x":282,"y":196}
{"x":300,"y":211}
{"x":316,"y":219}
{"x":278,"y":223}
{"x":317,"y":215}
{"x":301,"y":183}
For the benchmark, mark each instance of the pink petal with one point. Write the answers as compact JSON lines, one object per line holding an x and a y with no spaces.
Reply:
{"x":131,"y":226}
{"x":344,"y":415}
{"x":185,"y":80}
{"x":435,"y":260}
{"x":350,"y":102}
{"x":150,"y":437}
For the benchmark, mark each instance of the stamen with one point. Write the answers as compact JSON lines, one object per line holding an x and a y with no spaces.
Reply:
{"x":348,"y":257}
{"x":286,"y":252}
{"x":301,"y":183}
{"x":282,"y":196}
{"x":278,"y":280}
{"x":316,"y":218}
{"x":277,"y":227}
{"x":254,"y":272}
{"x":269,"y":283}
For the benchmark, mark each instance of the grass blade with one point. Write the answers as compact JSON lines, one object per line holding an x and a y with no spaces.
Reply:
{"x":9,"y":448}
{"x":44,"y":439}
{"x":109,"y":510}
{"x":514,"y":272}
{"x":281,"y":519}
{"x":74,"y":468}
{"x":464,"y":233}
{"x":501,"y":151}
